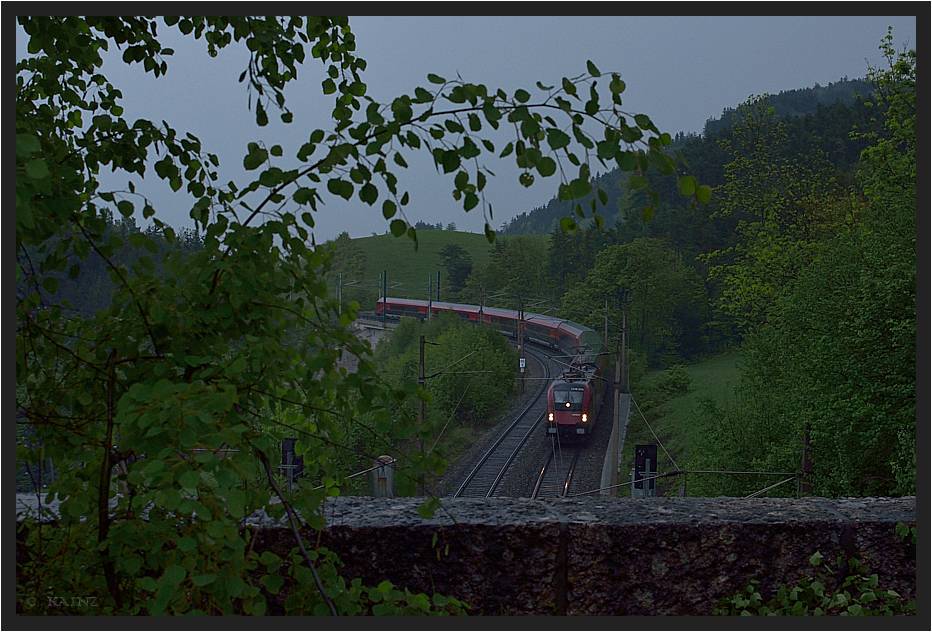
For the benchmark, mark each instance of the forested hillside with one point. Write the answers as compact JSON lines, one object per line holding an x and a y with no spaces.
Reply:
{"x":818,"y":118}
{"x":804,"y":261}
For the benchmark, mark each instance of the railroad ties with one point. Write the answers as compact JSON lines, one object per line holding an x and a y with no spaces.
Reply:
{"x":485,"y":477}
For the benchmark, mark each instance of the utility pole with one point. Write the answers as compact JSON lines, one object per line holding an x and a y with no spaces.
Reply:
{"x":624,"y":348}
{"x":606,"y":321}
{"x":422,"y":382}
{"x":616,"y":422}
{"x":521,"y":340}
{"x":383,"y":282}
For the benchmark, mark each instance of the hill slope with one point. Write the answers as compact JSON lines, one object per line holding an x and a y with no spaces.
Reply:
{"x":820,"y":117}
{"x":409,"y":272}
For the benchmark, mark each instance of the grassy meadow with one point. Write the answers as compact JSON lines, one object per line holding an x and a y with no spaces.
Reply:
{"x":675,"y":422}
{"x":409,"y":271}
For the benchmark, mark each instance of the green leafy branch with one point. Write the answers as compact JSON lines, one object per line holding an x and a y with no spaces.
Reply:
{"x":858,"y":594}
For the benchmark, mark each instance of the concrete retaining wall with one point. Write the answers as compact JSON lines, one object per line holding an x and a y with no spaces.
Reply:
{"x":597,"y":556}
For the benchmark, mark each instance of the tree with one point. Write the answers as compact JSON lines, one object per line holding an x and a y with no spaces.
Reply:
{"x":458,"y":263}
{"x":784,"y":208}
{"x":647,"y":279}
{"x":165,"y":402}
{"x":837,"y":359}
{"x":516,"y":271}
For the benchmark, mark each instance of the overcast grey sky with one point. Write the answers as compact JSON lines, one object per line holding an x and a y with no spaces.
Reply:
{"x":679,"y":70}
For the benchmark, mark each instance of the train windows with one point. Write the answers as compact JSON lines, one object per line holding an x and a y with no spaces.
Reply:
{"x":567,"y":397}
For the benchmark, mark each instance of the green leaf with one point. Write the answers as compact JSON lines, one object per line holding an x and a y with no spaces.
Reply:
{"x":254,"y":159}
{"x":606,"y":150}
{"x":644,"y":122}
{"x":626,"y":161}
{"x":687,"y":185}
{"x":237,"y":367}
{"x":369,"y":193}
{"x":398,"y":227}
{"x":27,"y":145}
{"x":174,"y":574}
{"x":592,"y":69}
{"x":303,"y":195}
{"x":37,"y":169}
{"x":579,"y":188}
{"x":50,"y":284}
{"x":557,"y":139}
{"x":236,"y":502}
{"x":388,"y":209}
{"x":617,"y":86}
{"x":272,"y":583}
{"x":187,"y":543}
{"x":205,"y":579}
{"x":704,"y":193}
{"x":546,"y":166}
{"x":637,"y":182}
{"x":262,"y":118}
{"x":340,"y":187}
{"x":450,"y":161}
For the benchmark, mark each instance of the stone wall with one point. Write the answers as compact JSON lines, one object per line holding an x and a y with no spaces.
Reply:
{"x":598,"y":556}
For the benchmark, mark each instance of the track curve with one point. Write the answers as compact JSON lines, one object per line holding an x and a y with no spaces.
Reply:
{"x":483,"y":479}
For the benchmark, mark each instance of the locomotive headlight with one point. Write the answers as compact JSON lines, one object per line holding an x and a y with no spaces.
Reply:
{"x":584,"y":417}
{"x":567,"y":404}
{"x":550,"y":417}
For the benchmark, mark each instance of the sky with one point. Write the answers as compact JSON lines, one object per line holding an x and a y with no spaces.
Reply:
{"x":679,"y":70}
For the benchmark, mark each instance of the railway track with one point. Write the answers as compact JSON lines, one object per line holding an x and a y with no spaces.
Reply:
{"x":556,"y":476}
{"x":485,"y":477}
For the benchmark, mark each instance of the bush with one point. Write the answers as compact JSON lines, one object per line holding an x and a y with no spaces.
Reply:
{"x":858,"y":595}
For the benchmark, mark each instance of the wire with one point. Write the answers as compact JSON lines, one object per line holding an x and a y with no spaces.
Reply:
{"x":653,"y":433}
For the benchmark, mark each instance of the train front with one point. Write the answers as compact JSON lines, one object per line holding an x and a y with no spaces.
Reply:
{"x":568,"y":409}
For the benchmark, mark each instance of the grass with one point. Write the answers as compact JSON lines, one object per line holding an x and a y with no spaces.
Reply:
{"x":410,"y":271}
{"x":675,"y":421}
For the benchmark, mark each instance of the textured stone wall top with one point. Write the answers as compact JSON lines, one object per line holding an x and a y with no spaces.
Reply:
{"x":371,"y":512}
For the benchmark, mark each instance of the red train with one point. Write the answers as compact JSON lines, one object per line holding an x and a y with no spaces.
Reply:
{"x":574,"y":400}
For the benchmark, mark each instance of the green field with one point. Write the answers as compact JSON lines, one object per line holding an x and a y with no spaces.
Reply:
{"x":675,"y":422}
{"x":408,"y":270}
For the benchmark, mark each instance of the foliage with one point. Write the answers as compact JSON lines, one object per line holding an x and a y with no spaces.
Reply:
{"x":798,"y":103}
{"x":669,"y":383}
{"x":470,"y":371}
{"x":650,"y":282}
{"x":833,"y":348}
{"x":516,"y":273}
{"x":784,"y":209}
{"x":169,"y":400}
{"x":458,"y":263}
{"x":858,"y":594}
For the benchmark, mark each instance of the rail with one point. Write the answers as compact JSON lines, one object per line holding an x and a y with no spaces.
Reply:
{"x":554,"y":480}
{"x":491,"y":468}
